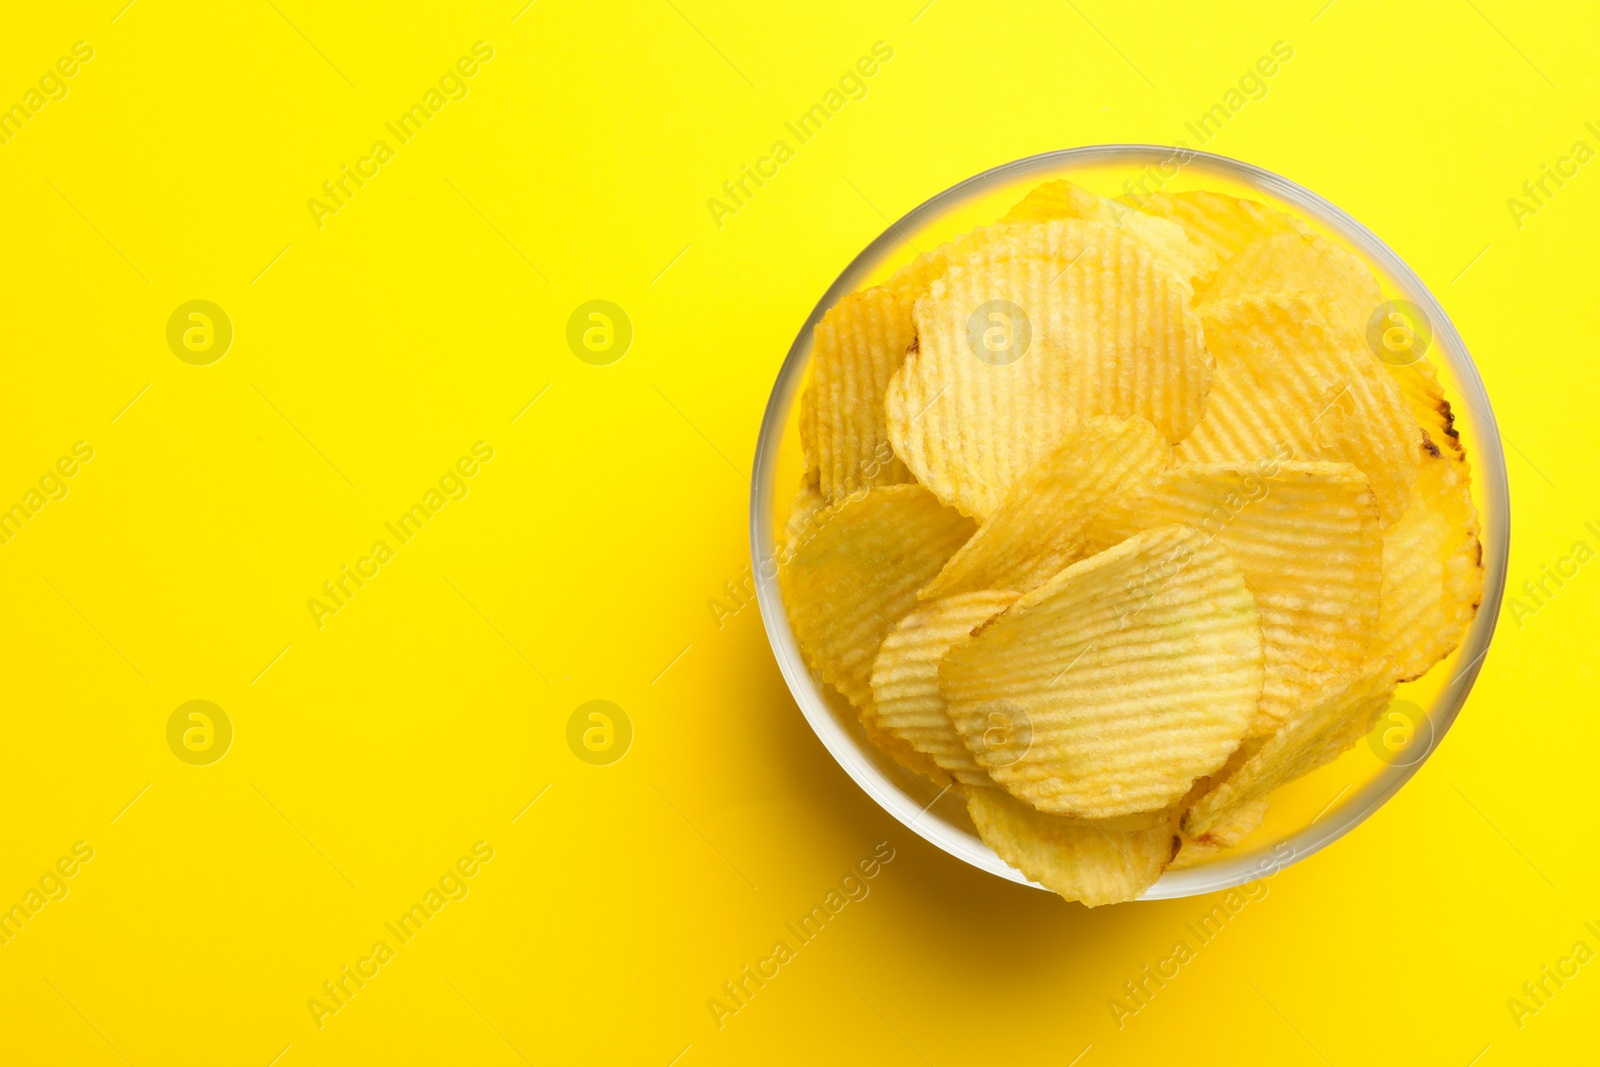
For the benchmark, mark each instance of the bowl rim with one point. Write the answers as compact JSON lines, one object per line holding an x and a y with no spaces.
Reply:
{"x":1487,"y":456}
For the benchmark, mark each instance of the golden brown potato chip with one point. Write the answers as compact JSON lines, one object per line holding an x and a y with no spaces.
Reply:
{"x":1039,"y":527}
{"x":913,"y":280}
{"x":1341,"y":715}
{"x":1139,"y":820}
{"x":1416,"y":381}
{"x":1104,"y":243}
{"x":859,"y":344}
{"x":1234,"y":826}
{"x":859,"y":572}
{"x":897,"y":749}
{"x":1328,"y":276}
{"x":1291,"y":385}
{"x":1062,"y":199}
{"x":804,"y":515}
{"x":1060,"y":229}
{"x":808,"y":451}
{"x":1419,"y":385}
{"x":1167,"y":241}
{"x":905,"y":679}
{"x":1306,"y":537}
{"x":1013,"y":354}
{"x":1433,"y":545}
{"x":1066,"y":239}
{"x":1309,"y":266}
{"x":1225,"y":224}
{"x":1109,"y":689}
{"x":1432,"y":571}
{"x":1080,"y":861}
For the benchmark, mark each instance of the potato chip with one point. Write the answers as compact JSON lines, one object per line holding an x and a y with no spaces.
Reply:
{"x":1333,"y":279}
{"x":1106,"y":237}
{"x":808,"y":450}
{"x":898,"y":749}
{"x":1062,"y":199}
{"x":905,"y":679}
{"x":1067,"y":239}
{"x":1225,"y":224}
{"x":859,"y":572}
{"x":1109,"y":689}
{"x":1249,"y":747}
{"x":1340,"y":716}
{"x":1432,"y":571}
{"x":913,"y":280}
{"x":1237,"y":824}
{"x":1139,"y":820}
{"x":1167,"y":241}
{"x":1424,"y":396}
{"x":859,"y":344}
{"x":1080,"y":861}
{"x":1234,"y":826}
{"x":1120,"y":247}
{"x":1291,"y":385}
{"x":1432,"y":558}
{"x":1308,"y":266}
{"x":1012,"y":355}
{"x":1039,"y":527}
{"x":1306,"y":537}
{"x":1105,"y":244}
{"x":804,"y":514}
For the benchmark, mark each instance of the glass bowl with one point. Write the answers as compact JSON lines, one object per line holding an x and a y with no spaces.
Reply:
{"x":1305,"y":815}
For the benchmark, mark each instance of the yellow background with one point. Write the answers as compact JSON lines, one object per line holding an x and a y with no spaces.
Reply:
{"x":372,"y":352}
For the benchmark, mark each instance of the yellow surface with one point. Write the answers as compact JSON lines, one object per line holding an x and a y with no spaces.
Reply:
{"x":371,"y":753}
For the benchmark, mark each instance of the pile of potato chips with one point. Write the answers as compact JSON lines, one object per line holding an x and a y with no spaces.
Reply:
{"x":1115,"y":520}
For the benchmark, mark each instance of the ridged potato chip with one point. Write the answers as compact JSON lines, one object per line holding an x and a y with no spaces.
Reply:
{"x":1067,"y":238}
{"x":1039,"y":527}
{"x":1107,"y":243}
{"x":1079,"y":861}
{"x":905,"y":680}
{"x":1013,"y":354}
{"x":1309,"y":266}
{"x":1432,"y":557}
{"x":1420,"y":388}
{"x":1167,"y":241}
{"x":859,"y":572}
{"x":1202,"y":786}
{"x":1139,"y":820}
{"x":1062,"y":199}
{"x":858,"y":345}
{"x":1306,"y":537}
{"x":808,"y":432}
{"x":1225,"y":224}
{"x":1109,"y":689}
{"x":1432,"y":571}
{"x":1067,"y":227}
{"x":1328,"y":275}
{"x":1290,"y":384}
{"x":1236,"y":824}
{"x":802,"y":520}
{"x":898,"y":749}
{"x":1333,"y":279}
{"x":1340,"y":716}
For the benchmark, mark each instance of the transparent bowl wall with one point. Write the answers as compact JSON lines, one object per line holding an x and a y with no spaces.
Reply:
{"x":1306,"y":815}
